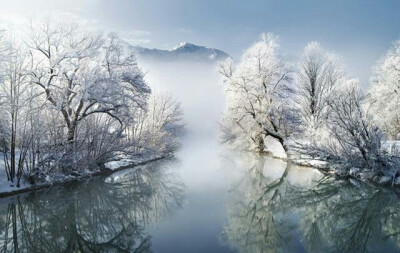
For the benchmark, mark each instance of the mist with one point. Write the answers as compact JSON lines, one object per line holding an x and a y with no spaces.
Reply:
{"x":196,"y":86}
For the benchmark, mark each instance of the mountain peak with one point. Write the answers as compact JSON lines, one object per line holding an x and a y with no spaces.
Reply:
{"x":181,"y":45}
{"x":183,"y":51}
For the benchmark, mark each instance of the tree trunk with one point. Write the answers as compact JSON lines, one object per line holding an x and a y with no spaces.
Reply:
{"x":12,"y":148}
{"x":260,"y":143}
{"x":71,"y":133}
{"x":68,"y":159}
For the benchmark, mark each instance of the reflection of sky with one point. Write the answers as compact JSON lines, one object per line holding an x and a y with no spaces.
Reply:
{"x":360,"y":30}
{"x":197,"y":226}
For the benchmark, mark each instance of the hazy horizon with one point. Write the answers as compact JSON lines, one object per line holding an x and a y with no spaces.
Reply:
{"x":360,"y":31}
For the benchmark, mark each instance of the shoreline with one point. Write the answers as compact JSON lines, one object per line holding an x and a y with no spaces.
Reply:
{"x":357,"y":174}
{"x":83,"y":177}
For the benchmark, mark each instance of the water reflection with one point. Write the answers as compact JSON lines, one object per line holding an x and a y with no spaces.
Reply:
{"x":99,"y":215}
{"x":279,"y":207}
{"x":272,"y":207}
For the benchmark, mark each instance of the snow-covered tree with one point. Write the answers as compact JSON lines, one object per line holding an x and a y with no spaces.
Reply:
{"x":84,"y":74}
{"x":257,"y":90}
{"x":319,"y":72}
{"x":71,"y":100}
{"x":15,"y":95}
{"x":384,"y":95}
{"x":357,"y":138}
{"x":158,"y":129}
{"x":354,"y":140}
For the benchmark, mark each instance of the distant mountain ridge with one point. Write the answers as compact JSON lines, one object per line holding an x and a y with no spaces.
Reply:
{"x":183,"y":51}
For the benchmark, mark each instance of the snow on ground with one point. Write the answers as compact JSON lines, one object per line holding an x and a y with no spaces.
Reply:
{"x":6,"y":187}
{"x":391,"y":146}
{"x":274,"y":147}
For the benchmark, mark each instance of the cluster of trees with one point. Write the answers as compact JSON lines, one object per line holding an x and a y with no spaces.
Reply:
{"x":313,"y":109}
{"x":72,"y":100}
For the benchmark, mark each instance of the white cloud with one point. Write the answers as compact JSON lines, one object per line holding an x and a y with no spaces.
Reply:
{"x":10,"y":19}
{"x":19,"y":22}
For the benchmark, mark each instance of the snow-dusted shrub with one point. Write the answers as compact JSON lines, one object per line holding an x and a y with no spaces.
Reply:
{"x":353,"y":140}
{"x":159,"y":127}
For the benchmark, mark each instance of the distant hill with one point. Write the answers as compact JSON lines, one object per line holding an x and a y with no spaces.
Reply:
{"x":183,"y":51}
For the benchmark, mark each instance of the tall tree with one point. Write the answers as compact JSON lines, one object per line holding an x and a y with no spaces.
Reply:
{"x":84,"y":74}
{"x":319,"y":72}
{"x":384,"y":95}
{"x":256,"y":91}
{"x":14,"y":97}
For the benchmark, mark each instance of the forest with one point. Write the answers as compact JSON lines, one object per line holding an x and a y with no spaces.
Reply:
{"x":318,"y":114}
{"x":72,"y":101}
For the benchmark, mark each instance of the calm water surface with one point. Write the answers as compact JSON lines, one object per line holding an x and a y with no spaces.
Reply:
{"x":206,"y":200}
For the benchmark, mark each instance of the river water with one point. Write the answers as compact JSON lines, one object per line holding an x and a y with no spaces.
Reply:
{"x":206,"y":199}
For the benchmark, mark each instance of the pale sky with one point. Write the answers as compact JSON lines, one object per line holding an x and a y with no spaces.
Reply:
{"x":360,"y":31}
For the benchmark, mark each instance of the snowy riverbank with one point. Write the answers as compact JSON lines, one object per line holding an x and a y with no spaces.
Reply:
{"x":8,"y":189}
{"x":389,"y":178}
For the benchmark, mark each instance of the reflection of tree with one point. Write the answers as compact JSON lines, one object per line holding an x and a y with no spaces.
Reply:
{"x":267,"y":215}
{"x":253,"y":225}
{"x":93,"y":216}
{"x":341,"y":217}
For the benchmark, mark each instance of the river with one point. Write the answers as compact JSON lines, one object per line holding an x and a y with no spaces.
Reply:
{"x":206,"y":199}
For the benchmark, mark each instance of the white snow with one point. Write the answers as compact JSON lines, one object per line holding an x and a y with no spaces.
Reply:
{"x":7,"y":186}
{"x":275,"y":148}
{"x":180,"y":45}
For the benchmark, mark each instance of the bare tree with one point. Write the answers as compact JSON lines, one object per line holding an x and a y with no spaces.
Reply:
{"x":163,"y":124}
{"x":73,"y":100}
{"x":354,"y":140}
{"x":14,"y":97}
{"x":384,"y":95}
{"x":257,"y":90}
{"x":83,"y":74}
{"x":319,"y":73}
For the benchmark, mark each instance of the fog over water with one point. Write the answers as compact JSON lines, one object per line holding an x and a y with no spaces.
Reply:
{"x":196,"y":85}
{"x":206,"y":199}
{"x":197,"y":226}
